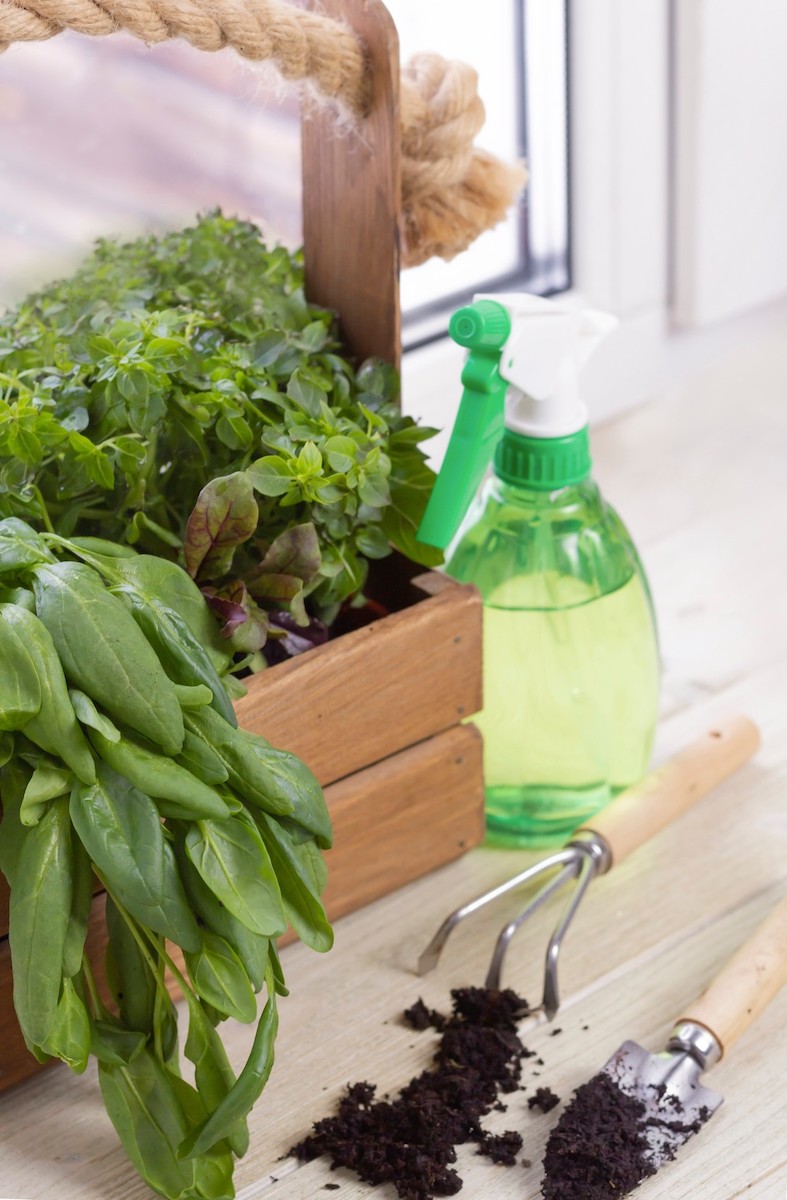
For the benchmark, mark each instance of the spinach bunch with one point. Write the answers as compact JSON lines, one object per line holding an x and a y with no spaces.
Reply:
{"x":120,"y":758}
{"x":179,"y":394}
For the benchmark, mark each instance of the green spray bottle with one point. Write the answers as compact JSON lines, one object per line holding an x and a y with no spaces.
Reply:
{"x":571,"y":665}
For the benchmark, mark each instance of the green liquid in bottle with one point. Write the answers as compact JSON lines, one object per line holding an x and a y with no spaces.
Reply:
{"x":564,"y":729}
{"x":571,"y":668}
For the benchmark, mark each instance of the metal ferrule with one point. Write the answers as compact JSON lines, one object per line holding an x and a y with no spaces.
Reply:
{"x":696,"y":1040}
{"x":595,"y":847}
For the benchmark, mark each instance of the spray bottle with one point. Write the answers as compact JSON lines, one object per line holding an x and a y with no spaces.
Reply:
{"x":571,"y":668}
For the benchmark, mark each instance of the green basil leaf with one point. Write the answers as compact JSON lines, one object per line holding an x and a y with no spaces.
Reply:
{"x":309,"y":460}
{"x":410,"y":483}
{"x":299,"y":887}
{"x":69,"y":1036}
{"x":232,"y":860}
{"x":306,"y":393}
{"x":270,"y":476}
{"x":341,"y":453}
{"x":219,"y":977}
{"x":121,"y":830}
{"x":143,"y":1105}
{"x":372,"y":542}
{"x":373,"y":490}
{"x":38,"y":920}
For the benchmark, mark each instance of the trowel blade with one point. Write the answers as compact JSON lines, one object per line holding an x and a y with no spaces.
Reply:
{"x":676,"y":1103}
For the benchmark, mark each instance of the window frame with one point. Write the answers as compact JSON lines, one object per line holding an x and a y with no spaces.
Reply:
{"x":427,"y":323}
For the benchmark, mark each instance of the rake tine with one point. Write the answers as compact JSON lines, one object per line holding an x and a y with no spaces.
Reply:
{"x":431,"y":954}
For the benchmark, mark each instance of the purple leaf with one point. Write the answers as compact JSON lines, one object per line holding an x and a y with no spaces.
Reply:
{"x":294,"y":552}
{"x":224,"y":516}
{"x":231,"y":614}
{"x":246,"y":624}
{"x":288,"y":639}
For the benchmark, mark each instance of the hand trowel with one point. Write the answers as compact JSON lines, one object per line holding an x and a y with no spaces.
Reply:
{"x":635,"y":1115}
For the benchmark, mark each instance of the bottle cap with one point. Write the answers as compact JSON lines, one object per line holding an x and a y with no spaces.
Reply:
{"x":521,"y":376}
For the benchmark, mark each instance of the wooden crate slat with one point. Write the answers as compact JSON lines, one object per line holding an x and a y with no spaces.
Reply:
{"x":403,"y":817}
{"x":396,"y":682}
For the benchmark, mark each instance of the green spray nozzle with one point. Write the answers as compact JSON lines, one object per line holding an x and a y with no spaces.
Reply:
{"x":483,"y":328}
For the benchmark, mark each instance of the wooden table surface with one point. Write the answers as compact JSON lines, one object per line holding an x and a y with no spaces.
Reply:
{"x":701,"y":477}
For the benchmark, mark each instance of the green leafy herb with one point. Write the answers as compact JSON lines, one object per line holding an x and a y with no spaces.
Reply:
{"x":181,"y":395}
{"x":200,"y":834}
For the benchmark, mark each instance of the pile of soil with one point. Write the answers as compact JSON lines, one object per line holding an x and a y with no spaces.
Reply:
{"x":597,"y":1151}
{"x":411,"y":1141}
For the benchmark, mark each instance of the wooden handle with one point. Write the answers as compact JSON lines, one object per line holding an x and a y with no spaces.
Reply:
{"x":352,"y":195}
{"x":642,"y":810}
{"x":747,"y":984}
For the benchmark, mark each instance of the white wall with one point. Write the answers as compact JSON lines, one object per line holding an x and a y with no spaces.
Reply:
{"x":730,"y":157}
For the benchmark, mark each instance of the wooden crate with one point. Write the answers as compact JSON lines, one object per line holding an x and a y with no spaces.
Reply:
{"x":378,"y":712}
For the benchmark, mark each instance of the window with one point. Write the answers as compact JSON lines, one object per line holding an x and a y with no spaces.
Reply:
{"x":108,"y":137}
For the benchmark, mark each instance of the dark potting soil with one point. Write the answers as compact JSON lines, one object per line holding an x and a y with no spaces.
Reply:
{"x":597,"y":1149}
{"x":411,"y":1141}
{"x":501,"y":1147}
{"x":544,"y":1099}
{"x":419,"y":1017}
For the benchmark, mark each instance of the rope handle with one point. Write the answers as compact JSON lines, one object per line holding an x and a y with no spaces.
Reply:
{"x":451,"y":190}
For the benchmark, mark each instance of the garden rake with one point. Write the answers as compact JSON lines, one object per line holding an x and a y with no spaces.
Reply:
{"x":634,"y":817}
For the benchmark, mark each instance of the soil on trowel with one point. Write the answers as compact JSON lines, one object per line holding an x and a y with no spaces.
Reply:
{"x":598,"y":1148}
{"x":411,"y":1141}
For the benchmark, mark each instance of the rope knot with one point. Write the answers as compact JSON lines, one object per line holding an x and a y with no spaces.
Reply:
{"x":451,"y":191}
